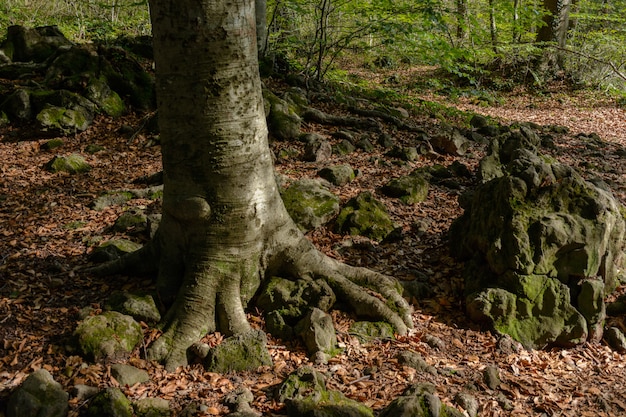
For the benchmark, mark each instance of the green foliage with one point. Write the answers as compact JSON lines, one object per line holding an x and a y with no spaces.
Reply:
{"x":79,"y":20}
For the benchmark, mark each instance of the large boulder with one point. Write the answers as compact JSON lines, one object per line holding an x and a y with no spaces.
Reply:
{"x":542,"y":246}
{"x":36,"y":45}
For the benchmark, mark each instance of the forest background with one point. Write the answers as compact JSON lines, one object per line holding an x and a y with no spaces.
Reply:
{"x":486,"y":44}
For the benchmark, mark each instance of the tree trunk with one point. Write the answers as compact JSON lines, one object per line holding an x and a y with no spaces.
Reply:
{"x":261,"y":26}
{"x":462,"y":17}
{"x":224,"y":226}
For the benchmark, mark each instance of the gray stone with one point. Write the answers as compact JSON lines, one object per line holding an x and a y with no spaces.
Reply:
{"x":453,"y":143}
{"x":240,"y":352}
{"x":152,"y":407}
{"x":128,"y":375}
{"x":111,"y":402}
{"x":35,"y":44}
{"x":337,"y":174}
{"x":283,"y":119}
{"x":17,"y":106}
{"x":63,"y":119}
{"x":113,"y":249}
{"x":84,"y":392}
{"x":140,"y":307}
{"x":344,"y":147}
{"x":529,"y":236}
{"x":132,"y":221}
{"x":415,"y":361}
{"x":239,"y":401}
{"x":434,"y":342}
{"x":113,"y":198}
{"x":108,"y":336}
{"x":318,"y":332}
{"x":305,"y":394}
{"x":467,"y":402}
{"x":419,"y":400}
{"x":285,"y":302}
{"x":39,"y":395}
{"x":491,"y":376}
{"x":310,"y":204}
{"x":107,"y":100}
{"x":616,"y":339}
{"x":410,"y":189}
{"x":317,"y":151}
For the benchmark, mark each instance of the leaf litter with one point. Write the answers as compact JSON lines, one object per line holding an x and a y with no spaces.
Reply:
{"x":47,"y":228}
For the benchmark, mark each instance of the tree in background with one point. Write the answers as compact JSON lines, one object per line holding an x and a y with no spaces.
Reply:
{"x":224,"y":227}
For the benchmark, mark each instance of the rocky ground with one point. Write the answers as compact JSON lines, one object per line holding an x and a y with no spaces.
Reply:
{"x":48,"y":229}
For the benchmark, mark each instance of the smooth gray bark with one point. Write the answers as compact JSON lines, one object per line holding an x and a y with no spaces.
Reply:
{"x":224,"y":226}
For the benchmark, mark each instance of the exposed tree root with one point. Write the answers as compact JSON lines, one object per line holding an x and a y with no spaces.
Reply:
{"x":212,"y":288}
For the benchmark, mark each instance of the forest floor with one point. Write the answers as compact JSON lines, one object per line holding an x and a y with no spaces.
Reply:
{"x":48,"y":228}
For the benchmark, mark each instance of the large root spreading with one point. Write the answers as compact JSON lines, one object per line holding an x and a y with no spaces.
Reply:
{"x":212,"y":290}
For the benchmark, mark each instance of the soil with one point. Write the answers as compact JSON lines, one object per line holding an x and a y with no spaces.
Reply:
{"x":48,"y":229}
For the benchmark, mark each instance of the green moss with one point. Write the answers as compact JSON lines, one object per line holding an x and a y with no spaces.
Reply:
{"x":110,"y":403}
{"x":108,"y":334}
{"x":239,"y":353}
{"x":72,"y":164}
{"x":366,"y":216}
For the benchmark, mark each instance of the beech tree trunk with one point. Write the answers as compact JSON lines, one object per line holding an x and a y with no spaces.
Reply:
{"x":224,"y":226}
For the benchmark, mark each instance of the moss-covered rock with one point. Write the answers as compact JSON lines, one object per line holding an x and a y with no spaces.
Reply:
{"x":63,"y":119}
{"x":239,"y":353}
{"x":139,"y":306}
{"x":542,"y":246}
{"x":318,"y":333}
{"x":285,"y":302}
{"x":128,"y":375}
{"x":113,"y":249}
{"x":366,"y":216}
{"x":283,"y":120}
{"x":152,"y":407}
{"x":73,"y":164}
{"x":108,"y":335}
{"x":305,"y":394}
{"x":310,"y":204}
{"x":113,"y":198}
{"x":410,"y":189}
{"x":39,"y":395}
{"x":132,"y":221}
{"x":107,"y":100}
{"x":337,"y":174}
{"x":419,"y":400}
{"x":110,"y":402}
{"x":368,"y":330}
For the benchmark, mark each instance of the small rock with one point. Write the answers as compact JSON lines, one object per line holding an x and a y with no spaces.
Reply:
{"x":318,"y":332}
{"x":110,"y":402}
{"x":467,"y":402}
{"x":415,"y":361}
{"x":491,"y":376}
{"x":84,"y":392}
{"x":434,"y":342}
{"x":615,"y":338}
{"x":152,"y":407}
{"x":128,"y":375}
{"x":239,"y":353}
{"x":337,"y":174}
{"x":73,"y":164}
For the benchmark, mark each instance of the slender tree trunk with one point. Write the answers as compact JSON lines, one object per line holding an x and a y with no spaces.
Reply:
{"x":493,"y":28}
{"x":224,"y":226}
{"x":516,"y":28}
{"x":554,"y":30}
{"x":462,"y":16}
